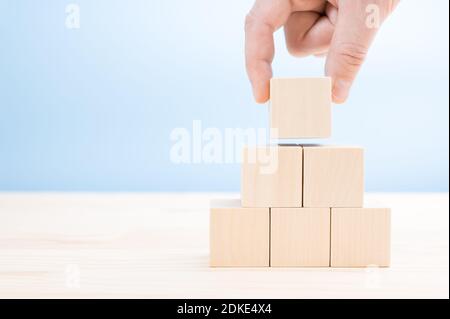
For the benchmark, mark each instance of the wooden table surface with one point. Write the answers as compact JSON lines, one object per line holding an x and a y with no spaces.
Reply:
{"x":156,"y":246}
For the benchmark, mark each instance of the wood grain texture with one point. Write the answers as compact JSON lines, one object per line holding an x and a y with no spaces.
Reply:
{"x":333,"y":176}
{"x":300,"y":237}
{"x":273,"y":179}
{"x":239,"y":237}
{"x":360,"y":237}
{"x":155,"y":245}
{"x":300,"y":108}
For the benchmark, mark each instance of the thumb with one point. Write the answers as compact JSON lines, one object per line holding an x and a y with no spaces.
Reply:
{"x":354,"y":32}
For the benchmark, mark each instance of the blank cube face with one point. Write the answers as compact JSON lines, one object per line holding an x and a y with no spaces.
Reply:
{"x":300,"y":237}
{"x":239,"y":237}
{"x":360,"y":237}
{"x":333,"y":177}
{"x":272,"y":176}
{"x":300,"y":108}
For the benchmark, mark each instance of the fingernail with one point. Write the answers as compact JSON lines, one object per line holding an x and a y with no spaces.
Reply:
{"x":261,"y":94}
{"x":341,"y":90}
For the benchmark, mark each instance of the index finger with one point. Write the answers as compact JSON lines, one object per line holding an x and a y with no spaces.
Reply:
{"x":262,"y":21}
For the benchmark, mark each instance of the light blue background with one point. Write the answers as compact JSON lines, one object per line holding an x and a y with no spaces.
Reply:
{"x":92,"y":109}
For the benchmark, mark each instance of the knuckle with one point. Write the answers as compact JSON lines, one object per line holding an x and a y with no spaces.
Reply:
{"x":252,"y":67}
{"x":297,"y":52}
{"x":352,"y":54}
{"x":249,"y":21}
{"x":295,"y":45}
{"x":256,"y":22}
{"x":295,"y":49}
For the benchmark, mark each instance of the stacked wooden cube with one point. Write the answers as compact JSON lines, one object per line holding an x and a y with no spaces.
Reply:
{"x":301,"y":205}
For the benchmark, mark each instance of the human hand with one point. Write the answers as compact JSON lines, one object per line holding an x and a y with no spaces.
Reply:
{"x":341,"y":30}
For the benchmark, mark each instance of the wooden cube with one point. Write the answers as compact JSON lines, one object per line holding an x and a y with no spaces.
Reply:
{"x":239,"y":237}
{"x":300,"y":237}
{"x":300,"y":108}
{"x":272,"y":176}
{"x":360,"y":237}
{"x":333,"y":176}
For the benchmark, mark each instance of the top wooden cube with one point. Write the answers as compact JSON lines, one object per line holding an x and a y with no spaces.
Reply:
{"x":300,"y":108}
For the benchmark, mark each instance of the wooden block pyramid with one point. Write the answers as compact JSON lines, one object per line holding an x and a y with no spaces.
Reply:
{"x":301,"y":205}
